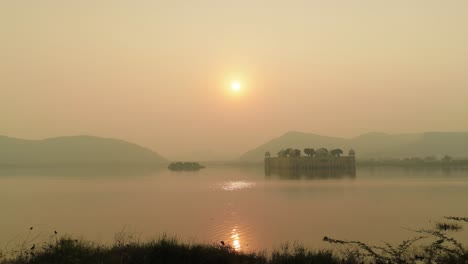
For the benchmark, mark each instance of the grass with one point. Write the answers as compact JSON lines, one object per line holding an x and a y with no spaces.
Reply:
{"x":430,"y":246}
{"x":67,"y":250}
{"x":128,"y":250}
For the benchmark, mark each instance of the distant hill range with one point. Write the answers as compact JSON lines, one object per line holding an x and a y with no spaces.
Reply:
{"x":371,"y":145}
{"x":74,"y":150}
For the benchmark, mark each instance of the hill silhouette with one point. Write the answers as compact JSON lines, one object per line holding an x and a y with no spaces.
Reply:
{"x":74,"y":150}
{"x":371,"y":145}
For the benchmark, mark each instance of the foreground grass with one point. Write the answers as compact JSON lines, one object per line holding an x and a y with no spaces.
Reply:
{"x":165,"y":250}
{"x":431,"y":246}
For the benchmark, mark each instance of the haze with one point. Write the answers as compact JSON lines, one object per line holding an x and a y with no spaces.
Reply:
{"x":158,"y":73}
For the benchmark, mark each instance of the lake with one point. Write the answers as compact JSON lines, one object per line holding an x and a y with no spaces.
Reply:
{"x":241,"y":206}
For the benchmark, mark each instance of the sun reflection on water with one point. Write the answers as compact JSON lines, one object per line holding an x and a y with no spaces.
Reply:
{"x":237,"y":185}
{"x":235,"y":240}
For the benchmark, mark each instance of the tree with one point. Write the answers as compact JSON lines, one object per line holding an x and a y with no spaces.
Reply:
{"x":336,"y":152}
{"x":321,"y":152}
{"x":297,"y":153}
{"x":282,"y":153}
{"x":309,"y":152}
{"x":446,"y":159}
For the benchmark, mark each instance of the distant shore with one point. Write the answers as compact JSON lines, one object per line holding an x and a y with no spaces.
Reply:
{"x":414,"y":163}
{"x":456,"y":164}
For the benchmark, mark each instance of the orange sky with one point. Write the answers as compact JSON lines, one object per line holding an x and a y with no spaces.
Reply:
{"x":157,"y":72}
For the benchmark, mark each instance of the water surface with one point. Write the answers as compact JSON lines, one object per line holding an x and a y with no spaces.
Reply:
{"x":240,"y":206}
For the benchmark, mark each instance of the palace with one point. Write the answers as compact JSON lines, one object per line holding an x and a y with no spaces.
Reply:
{"x":316,"y":161}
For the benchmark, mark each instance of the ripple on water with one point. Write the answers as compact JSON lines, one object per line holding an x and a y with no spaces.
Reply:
{"x":233,"y":231}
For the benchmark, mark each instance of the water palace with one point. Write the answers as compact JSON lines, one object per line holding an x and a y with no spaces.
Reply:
{"x":321,"y":160}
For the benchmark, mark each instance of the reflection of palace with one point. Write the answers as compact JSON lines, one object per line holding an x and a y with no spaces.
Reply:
{"x":310,"y":175}
{"x":319,"y":164}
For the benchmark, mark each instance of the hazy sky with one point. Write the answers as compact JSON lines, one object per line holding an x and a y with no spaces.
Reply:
{"x":158,"y":73}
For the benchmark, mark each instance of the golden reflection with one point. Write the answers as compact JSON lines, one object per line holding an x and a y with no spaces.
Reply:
{"x":235,"y":240}
{"x":237,"y":185}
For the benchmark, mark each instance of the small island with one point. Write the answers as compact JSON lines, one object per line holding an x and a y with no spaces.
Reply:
{"x":185,"y":166}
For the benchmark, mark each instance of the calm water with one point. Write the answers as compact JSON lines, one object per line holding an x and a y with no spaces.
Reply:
{"x":242,"y":207}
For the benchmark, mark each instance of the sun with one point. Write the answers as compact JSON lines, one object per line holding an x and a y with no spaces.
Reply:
{"x":235,"y":86}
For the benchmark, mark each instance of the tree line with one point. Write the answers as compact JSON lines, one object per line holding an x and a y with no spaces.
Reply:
{"x":310,"y":152}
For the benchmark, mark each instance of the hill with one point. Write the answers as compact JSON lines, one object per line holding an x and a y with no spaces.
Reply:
{"x":74,"y":150}
{"x":371,"y":145}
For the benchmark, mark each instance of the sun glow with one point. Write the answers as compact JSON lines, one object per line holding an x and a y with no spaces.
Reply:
{"x":235,"y":86}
